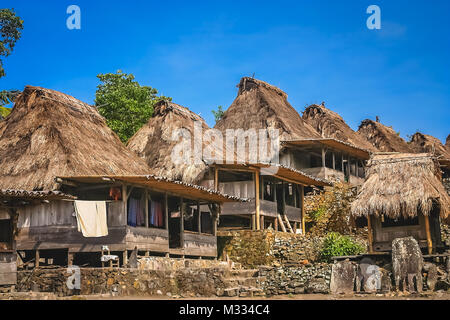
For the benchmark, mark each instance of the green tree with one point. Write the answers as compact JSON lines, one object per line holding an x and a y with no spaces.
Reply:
{"x":218,"y":114}
{"x":125,"y":104}
{"x":11,"y":27}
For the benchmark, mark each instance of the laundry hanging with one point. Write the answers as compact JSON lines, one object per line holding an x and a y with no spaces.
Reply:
{"x":91,"y":218}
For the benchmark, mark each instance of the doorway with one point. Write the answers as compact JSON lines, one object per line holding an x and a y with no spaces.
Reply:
{"x":175,"y":239}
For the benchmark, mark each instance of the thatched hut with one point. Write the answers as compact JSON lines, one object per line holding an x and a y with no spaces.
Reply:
{"x":331,"y":125}
{"x":403,"y":196}
{"x":447,"y":143}
{"x":383,"y":138}
{"x":276,"y":195}
{"x":49,"y":134}
{"x":260,"y":105}
{"x":154,"y":143}
{"x":52,"y":142}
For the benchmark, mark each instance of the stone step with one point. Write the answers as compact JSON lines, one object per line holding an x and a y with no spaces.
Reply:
{"x":233,"y":282}
{"x":244,"y":273}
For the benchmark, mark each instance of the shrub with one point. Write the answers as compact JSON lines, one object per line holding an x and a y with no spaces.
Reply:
{"x":336,"y":244}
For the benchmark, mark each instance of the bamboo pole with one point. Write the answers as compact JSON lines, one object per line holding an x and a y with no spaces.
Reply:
{"x":302,"y":200}
{"x":429,"y":240}
{"x":216,"y":178}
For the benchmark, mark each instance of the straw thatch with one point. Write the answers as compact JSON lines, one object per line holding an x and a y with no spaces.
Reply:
{"x":400,"y":185}
{"x":447,"y":143}
{"x":383,"y":138}
{"x":429,"y":144}
{"x":51,"y":134}
{"x":331,"y":125}
{"x":153,"y":142}
{"x":260,"y":105}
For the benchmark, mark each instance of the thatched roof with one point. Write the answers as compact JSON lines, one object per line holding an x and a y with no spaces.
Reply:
{"x":383,"y":138}
{"x":401,"y":184}
{"x":153,"y":142}
{"x":447,"y":143}
{"x":429,"y":144}
{"x":260,"y":105}
{"x":51,"y":134}
{"x":331,"y":125}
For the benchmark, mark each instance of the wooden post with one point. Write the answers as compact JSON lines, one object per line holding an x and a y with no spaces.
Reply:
{"x":302,"y":204}
{"x":334,"y":161}
{"x":257,"y":202}
{"x":181,"y":222}
{"x":37,"y":257}
{"x":283,"y":197}
{"x":166,"y":210}
{"x":70,"y":257}
{"x":125,"y":258}
{"x":199,"y":218}
{"x":262,"y":223}
{"x":275,"y":224}
{"x":369,"y":233}
{"x":323,"y":157}
{"x":280,"y":220}
{"x":125,"y":203}
{"x":427,"y":229}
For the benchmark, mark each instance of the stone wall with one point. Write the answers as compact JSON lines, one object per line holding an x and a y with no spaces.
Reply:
{"x":310,"y":278}
{"x":185,"y":282}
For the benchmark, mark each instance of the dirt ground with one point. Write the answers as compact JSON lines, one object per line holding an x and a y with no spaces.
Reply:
{"x":390,"y":296}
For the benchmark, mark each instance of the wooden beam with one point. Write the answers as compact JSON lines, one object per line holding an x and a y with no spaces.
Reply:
{"x":369,"y":233}
{"x":288,"y":224}
{"x":427,"y":229}
{"x":302,"y":204}
{"x":280,"y":221}
{"x":257,"y":202}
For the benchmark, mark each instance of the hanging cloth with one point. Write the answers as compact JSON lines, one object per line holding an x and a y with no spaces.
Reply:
{"x":91,"y":218}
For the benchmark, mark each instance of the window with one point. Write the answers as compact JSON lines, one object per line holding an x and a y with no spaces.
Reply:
{"x":207,"y":222}
{"x":5,"y":234}
{"x":352,"y":167}
{"x":156,"y":211}
{"x":329,"y":159}
{"x":316,"y":160}
{"x":338,"y":161}
{"x":190,"y":216}
{"x":268,"y":190}
{"x":361,"y":169}
{"x":136,"y":208}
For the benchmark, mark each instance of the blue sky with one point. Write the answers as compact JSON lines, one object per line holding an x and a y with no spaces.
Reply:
{"x":196,"y":52}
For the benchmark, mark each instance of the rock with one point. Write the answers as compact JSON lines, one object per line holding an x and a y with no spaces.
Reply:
{"x":317,"y":285}
{"x":407,"y":263}
{"x":432,"y":275}
{"x":342,"y":277}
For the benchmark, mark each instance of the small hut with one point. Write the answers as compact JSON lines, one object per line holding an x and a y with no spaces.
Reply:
{"x":331,"y":125}
{"x":403,"y":196}
{"x":154,"y":142}
{"x":384,"y":138}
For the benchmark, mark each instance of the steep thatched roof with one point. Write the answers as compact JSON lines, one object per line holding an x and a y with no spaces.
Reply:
{"x":447,"y":142}
{"x":153,"y":142}
{"x":400,"y":184}
{"x":383,"y":138}
{"x":331,"y":125}
{"x":51,"y":134}
{"x":429,"y":144}
{"x":260,"y":105}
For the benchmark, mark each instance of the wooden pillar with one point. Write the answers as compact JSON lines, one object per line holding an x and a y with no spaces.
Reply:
{"x":275,"y":224}
{"x":262,"y":223}
{"x":125,"y":202}
{"x":182,"y":222}
{"x":125,"y":258}
{"x":199,"y":218}
{"x":283,"y":197}
{"x":146,"y":208}
{"x":427,"y":229}
{"x":370,"y":233}
{"x":37,"y":257}
{"x":302,"y":204}
{"x":166,"y":210}
{"x":323,"y":157}
{"x":70,"y":257}
{"x":257,"y":202}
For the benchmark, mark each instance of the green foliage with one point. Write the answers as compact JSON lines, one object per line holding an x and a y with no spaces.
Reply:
{"x":4,"y":112}
{"x":8,"y":96}
{"x":124,"y":103}
{"x":10,"y":31}
{"x":336,"y":244}
{"x":218,"y":114}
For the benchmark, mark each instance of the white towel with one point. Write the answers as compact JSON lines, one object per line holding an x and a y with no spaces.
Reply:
{"x":91,"y":218}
